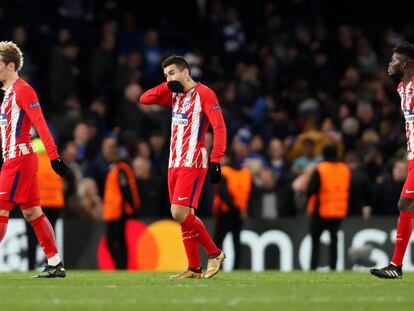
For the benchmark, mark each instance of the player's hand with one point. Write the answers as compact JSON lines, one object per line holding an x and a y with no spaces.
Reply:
{"x":214,"y":172}
{"x":175,"y":86}
{"x":59,"y":167}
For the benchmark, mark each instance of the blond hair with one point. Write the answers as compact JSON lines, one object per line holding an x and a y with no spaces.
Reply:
{"x":11,"y":54}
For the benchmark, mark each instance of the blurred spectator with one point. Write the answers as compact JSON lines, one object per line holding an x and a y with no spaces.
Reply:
{"x":129,"y":71}
{"x":86,"y":141}
{"x":99,"y":167}
{"x":150,"y":189}
{"x":136,"y":122}
{"x":233,"y":37}
{"x":63,"y":75}
{"x":264,"y":196}
{"x":86,"y":203}
{"x":307,"y":157}
{"x":276,"y":153}
{"x":388,"y":191}
{"x":152,"y":53}
{"x":242,"y":149}
{"x":361,"y":198}
{"x":102,"y":67}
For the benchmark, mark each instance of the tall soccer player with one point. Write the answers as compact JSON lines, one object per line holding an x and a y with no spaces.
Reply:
{"x":402,"y":67}
{"x":194,"y":108}
{"x":20,"y":109}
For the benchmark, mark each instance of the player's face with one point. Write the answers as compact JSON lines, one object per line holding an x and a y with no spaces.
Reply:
{"x":172,"y":72}
{"x":3,"y":70}
{"x":396,"y":65}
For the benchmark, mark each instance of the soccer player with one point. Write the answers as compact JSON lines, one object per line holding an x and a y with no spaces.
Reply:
{"x":194,"y":107}
{"x":402,"y":67}
{"x":20,"y":109}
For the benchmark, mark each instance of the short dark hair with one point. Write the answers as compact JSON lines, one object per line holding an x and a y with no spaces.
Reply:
{"x":329,"y":152}
{"x":406,"y":48}
{"x":180,"y":61}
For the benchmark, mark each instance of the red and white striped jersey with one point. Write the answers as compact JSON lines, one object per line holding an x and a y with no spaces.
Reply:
{"x":407,"y":106}
{"x":192,"y":113}
{"x":20,"y":110}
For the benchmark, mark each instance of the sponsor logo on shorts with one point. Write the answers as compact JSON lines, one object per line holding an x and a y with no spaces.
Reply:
{"x":181,"y":198}
{"x":409,"y":191}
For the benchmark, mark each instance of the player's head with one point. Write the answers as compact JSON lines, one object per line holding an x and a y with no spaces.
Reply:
{"x":176,"y":68}
{"x":11,"y":59}
{"x":401,"y":60}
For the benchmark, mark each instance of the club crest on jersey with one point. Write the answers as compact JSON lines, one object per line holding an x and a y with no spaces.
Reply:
{"x":179,"y":118}
{"x":3,"y":119}
{"x":186,"y":105}
{"x":408,"y":97}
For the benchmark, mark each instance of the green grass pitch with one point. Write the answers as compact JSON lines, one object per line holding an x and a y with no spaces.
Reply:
{"x":245,"y":290}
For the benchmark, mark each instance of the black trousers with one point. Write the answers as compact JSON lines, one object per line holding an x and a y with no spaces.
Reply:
{"x":116,"y":242}
{"x":53,"y":215}
{"x":229,"y":222}
{"x":317,"y":226}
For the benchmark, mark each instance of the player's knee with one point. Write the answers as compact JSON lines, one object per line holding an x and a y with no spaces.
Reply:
{"x":178,"y":214}
{"x":31,"y":214}
{"x":406,"y":205}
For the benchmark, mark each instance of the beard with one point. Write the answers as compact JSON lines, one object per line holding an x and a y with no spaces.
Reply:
{"x":396,"y":76}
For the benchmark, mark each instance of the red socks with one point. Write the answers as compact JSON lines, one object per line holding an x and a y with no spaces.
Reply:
{"x":404,"y":229}
{"x":194,"y":224}
{"x":3,"y":226}
{"x":45,"y":235}
{"x":190,"y":240}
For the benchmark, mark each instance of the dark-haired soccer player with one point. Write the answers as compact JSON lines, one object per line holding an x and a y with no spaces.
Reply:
{"x":20,"y":110}
{"x":402,"y":67}
{"x":194,"y":108}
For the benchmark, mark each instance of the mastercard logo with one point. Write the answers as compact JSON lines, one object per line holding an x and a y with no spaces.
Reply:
{"x":151,"y":247}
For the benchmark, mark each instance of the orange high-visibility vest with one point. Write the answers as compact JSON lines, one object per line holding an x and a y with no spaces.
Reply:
{"x":239,"y":184}
{"x":50,"y":184}
{"x":114,"y":205}
{"x":333,"y":196}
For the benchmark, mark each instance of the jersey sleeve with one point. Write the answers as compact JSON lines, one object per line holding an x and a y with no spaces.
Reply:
{"x":159,"y":95}
{"x":28,"y":101}
{"x":212,"y":109}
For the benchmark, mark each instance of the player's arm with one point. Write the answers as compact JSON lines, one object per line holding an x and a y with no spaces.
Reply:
{"x":159,"y":95}
{"x":28,"y":101}
{"x":213,"y":111}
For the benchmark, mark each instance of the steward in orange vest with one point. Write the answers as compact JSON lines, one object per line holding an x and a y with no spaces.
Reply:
{"x":231,"y":201}
{"x":121,"y":193}
{"x":328,"y":201}
{"x":235,"y":192}
{"x":121,"y":199}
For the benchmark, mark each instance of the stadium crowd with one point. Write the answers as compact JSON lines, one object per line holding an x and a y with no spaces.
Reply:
{"x":286,"y":85}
